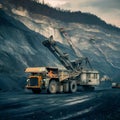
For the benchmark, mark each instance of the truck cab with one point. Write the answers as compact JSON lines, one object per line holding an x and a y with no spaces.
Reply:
{"x":39,"y":77}
{"x":89,"y":77}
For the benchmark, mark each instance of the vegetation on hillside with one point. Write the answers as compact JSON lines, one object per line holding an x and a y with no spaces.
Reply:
{"x":63,"y":15}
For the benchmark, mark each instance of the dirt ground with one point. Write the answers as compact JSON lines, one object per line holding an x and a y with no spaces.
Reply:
{"x":24,"y":105}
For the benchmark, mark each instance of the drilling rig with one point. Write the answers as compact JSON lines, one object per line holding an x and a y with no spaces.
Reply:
{"x":66,"y":80}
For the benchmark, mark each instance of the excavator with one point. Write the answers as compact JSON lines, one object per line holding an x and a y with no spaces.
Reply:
{"x":68,"y":80}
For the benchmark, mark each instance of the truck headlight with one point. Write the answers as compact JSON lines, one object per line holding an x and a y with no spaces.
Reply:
{"x":28,"y":80}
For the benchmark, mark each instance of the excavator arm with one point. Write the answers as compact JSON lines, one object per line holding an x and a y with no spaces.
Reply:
{"x":75,"y":65}
{"x":62,"y":57}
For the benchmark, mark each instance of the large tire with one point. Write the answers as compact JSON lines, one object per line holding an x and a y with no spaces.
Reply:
{"x":53,"y":87}
{"x":72,"y":86}
{"x":36,"y":91}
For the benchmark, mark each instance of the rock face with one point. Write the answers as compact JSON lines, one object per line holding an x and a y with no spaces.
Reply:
{"x":23,"y":30}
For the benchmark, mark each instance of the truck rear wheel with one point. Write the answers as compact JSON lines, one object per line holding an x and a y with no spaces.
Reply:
{"x":53,"y":87}
{"x":73,"y":86}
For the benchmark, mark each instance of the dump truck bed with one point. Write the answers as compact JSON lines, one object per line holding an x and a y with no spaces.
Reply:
{"x":35,"y":69}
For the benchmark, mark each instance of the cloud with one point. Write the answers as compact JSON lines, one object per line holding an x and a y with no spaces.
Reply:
{"x":108,"y":10}
{"x":106,"y":5}
{"x":54,"y":3}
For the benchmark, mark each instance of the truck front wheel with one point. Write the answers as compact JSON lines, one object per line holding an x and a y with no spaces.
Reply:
{"x":53,"y":87}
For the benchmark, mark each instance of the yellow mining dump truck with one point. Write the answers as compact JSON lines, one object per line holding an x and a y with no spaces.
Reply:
{"x":55,"y":80}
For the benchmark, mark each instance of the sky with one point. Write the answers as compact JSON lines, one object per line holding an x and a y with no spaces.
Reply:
{"x":108,"y":10}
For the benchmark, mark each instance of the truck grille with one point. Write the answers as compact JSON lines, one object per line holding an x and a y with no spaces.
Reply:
{"x":33,"y":81}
